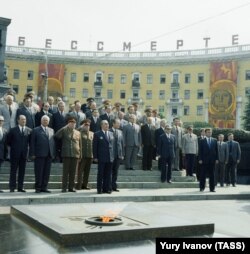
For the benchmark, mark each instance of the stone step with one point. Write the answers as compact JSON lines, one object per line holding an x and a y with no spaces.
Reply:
{"x":121,"y":185}
{"x":121,"y":178}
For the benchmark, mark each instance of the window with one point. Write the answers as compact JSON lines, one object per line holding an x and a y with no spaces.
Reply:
{"x":248,"y":75}
{"x":247,"y":91}
{"x":186,"y":110}
{"x":175,"y":78}
{"x":162,"y":79}
{"x":162,"y":95}
{"x":200,"y":77}
{"x":110,"y":79}
{"x":16,"y":74}
{"x":200,"y":94}
{"x":122,"y":94}
{"x":161,"y":109}
{"x":72,"y":92}
{"x":135,"y":94}
{"x":85,"y":93}
{"x":72,"y":77}
{"x":187,"y":78}
{"x":149,"y":94}
{"x":123,"y":79}
{"x":149,"y":79}
{"x":15,"y":88}
{"x":187,"y":94}
{"x":175,"y":94}
{"x":98,"y":92}
{"x":110,"y":94}
{"x":199,"y":110}
{"x":85,"y":77}
{"x":29,"y":89}
{"x":174,"y":111}
{"x":98,"y":77}
{"x":30,"y":75}
{"x":136,"y":77}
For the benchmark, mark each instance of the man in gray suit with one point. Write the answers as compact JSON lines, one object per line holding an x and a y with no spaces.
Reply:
{"x":190,"y":150}
{"x":77,"y":114}
{"x":178,"y":133}
{"x":42,"y":151}
{"x":132,"y":142}
{"x":233,"y":160}
{"x":118,"y":151}
{"x":223,"y":159}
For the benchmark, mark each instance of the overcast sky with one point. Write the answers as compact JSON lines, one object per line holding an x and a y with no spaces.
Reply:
{"x":137,"y":21}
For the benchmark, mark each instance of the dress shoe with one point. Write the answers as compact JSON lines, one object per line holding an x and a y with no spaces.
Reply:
{"x":150,"y":169}
{"x":169,"y":181}
{"x":71,"y":190}
{"x":21,"y":190}
{"x":115,"y":190}
{"x":131,"y":168}
{"x":212,"y":191}
{"x":201,"y":190}
{"x":127,"y":168}
{"x":12,"y":190}
{"x":108,"y":192}
{"x":86,"y":188}
{"x":63,"y":190}
{"x":46,"y":191}
{"x":1,"y":191}
{"x":99,"y":192}
{"x":37,"y":191}
{"x":234,"y":185}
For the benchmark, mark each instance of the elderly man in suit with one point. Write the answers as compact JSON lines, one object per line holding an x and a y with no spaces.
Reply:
{"x":3,"y":135}
{"x":8,"y":111}
{"x":166,"y":151}
{"x":178,"y":133}
{"x":18,"y":140}
{"x":223,"y":160}
{"x":77,"y":114}
{"x":71,"y":153}
{"x":158,"y":133}
{"x":59,"y":121}
{"x":42,"y":150}
{"x":208,"y":157}
{"x":108,"y":115}
{"x":103,"y":154}
{"x":52,"y":108}
{"x":148,"y":143}
{"x":44,"y":111}
{"x":233,"y":160}
{"x":190,"y":149}
{"x":118,"y":151}
{"x":95,"y":124}
{"x":132,"y":142}
{"x":28,"y":111}
{"x":83,"y":169}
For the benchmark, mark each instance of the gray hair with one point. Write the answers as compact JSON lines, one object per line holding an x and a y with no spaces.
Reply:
{"x":45,"y":117}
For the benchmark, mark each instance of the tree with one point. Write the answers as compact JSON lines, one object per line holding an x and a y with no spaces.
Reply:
{"x":246,"y":116}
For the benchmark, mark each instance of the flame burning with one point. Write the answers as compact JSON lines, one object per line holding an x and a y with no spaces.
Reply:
{"x":106,"y":219}
{"x":110,"y":215}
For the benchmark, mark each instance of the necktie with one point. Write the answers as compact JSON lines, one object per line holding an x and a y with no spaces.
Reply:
{"x":46,"y":131}
{"x":230,"y":147}
{"x":10,"y":111}
{"x":190,"y":136}
{"x":22,"y":130}
{"x":209,"y":142}
{"x":106,"y":135}
{"x":1,"y":134}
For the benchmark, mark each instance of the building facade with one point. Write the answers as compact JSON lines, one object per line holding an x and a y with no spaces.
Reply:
{"x":207,"y":85}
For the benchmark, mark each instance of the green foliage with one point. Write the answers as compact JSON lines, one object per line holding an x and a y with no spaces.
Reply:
{"x":246,"y":116}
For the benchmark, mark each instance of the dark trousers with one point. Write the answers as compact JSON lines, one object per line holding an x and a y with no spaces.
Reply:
{"x":190,"y":162}
{"x":166,"y":169}
{"x":83,"y":173}
{"x":115,"y":167}
{"x":159,"y":163}
{"x":69,"y":171}
{"x":231,"y":169}
{"x":147,"y":157}
{"x":20,"y":164}
{"x":104,"y":176}
{"x":42,"y":172}
{"x":220,"y":173}
{"x":207,"y":169}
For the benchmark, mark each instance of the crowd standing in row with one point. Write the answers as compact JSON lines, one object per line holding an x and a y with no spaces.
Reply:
{"x":106,"y":136}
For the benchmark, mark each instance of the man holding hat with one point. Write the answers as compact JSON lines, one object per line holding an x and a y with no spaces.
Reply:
{"x":71,"y":153}
{"x":166,"y":150}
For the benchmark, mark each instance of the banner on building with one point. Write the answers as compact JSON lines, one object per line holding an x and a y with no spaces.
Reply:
{"x":55,"y":79}
{"x":222,"y":106}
